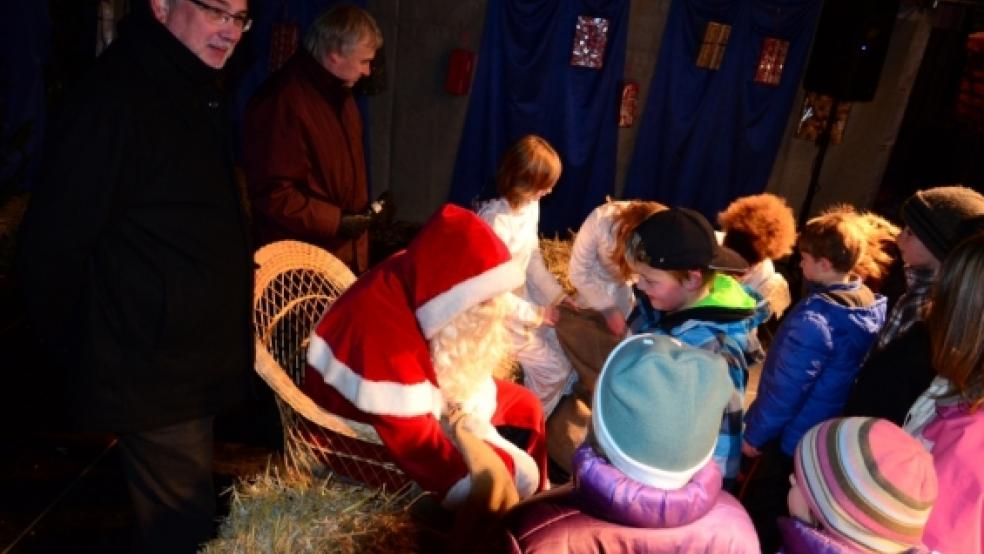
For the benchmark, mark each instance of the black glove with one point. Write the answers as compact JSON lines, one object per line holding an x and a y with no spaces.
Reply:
{"x":351,"y":226}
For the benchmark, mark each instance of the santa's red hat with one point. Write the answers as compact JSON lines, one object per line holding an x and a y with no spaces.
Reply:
{"x":456,"y":262}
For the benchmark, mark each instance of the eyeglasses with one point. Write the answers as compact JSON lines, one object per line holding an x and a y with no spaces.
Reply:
{"x":218,"y":15}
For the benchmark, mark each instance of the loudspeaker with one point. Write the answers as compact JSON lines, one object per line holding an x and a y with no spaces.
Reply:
{"x":849,"y":48}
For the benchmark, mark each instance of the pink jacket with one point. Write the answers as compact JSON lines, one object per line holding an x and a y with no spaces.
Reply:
{"x":956,"y":525}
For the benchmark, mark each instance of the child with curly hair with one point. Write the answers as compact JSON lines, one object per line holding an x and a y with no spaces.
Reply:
{"x":761,"y":228}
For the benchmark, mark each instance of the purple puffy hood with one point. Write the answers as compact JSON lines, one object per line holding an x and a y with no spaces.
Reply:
{"x":606,"y":492}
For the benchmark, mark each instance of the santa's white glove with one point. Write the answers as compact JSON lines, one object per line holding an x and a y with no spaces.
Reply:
{"x":493,"y":490}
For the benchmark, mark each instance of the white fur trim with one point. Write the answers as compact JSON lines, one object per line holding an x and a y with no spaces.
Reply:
{"x":480,"y":409}
{"x":438,"y":311}
{"x":647,"y":475}
{"x":373,"y":397}
{"x":482,"y":402}
{"x":525,"y":472}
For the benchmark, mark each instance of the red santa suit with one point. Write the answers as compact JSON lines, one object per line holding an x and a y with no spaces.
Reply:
{"x":369,"y":358}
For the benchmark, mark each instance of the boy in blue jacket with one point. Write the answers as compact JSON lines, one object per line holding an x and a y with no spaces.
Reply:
{"x":684,"y":293}
{"x":812,"y":361}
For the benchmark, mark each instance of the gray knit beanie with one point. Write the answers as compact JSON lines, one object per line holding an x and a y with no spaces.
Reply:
{"x":939,"y":216}
{"x":657,"y":409}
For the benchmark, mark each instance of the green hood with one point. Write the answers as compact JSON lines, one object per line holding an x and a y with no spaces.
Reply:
{"x":726,"y":292}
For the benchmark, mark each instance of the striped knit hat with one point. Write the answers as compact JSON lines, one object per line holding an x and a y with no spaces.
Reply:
{"x":867,"y":482}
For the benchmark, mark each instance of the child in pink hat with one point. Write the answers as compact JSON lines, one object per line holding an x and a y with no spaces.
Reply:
{"x":858,"y":485}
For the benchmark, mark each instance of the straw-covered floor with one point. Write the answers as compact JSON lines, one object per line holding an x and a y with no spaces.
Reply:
{"x":273,"y":512}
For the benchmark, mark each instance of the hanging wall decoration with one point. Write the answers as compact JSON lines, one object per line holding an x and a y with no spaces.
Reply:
{"x":461,"y":63}
{"x":590,"y":37}
{"x":970,"y":100}
{"x":816,"y":112}
{"x":627,"y":106}
{"x":712,"y":48}
{"x":772,"y":58}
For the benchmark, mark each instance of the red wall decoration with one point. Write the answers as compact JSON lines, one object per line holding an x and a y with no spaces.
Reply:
{"x":771,"y":61}
{"x":460,"y":67}
{"x":627,"y":107}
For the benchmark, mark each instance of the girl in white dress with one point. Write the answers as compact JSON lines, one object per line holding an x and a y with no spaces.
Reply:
{"x":528,"y":172}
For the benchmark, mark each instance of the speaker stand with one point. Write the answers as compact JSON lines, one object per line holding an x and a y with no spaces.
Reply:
{"x":823,"y":141}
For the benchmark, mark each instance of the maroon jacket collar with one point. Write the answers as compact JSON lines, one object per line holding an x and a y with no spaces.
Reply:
{"x":333,"y":88}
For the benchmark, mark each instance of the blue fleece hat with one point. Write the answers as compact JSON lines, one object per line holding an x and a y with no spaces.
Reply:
{"x":657,"y":409}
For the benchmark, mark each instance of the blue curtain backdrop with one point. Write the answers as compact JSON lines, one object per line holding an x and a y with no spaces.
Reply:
{"x":24,"y":51}
{"x":525,"y":84}
{"x":708,"y":137}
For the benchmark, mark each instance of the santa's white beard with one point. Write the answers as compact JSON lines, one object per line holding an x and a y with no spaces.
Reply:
{"x":467,"y":351}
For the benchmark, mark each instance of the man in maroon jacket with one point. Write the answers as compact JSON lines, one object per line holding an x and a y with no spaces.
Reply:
{"x":304,"y":160}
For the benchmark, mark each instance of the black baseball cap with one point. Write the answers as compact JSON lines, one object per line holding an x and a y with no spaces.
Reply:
{"x":681,"y":238}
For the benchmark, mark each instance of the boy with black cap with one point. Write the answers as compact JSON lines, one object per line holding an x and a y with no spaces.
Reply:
{"x":683,"y":292}
{"x":898,"y":367}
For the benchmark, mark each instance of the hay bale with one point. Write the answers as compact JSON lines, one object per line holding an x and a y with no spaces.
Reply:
{"x":557,"y":255}
{"x":273,"y":513}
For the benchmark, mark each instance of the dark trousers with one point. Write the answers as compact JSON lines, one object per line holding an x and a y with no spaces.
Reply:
{"x":764,"y":492}
{"x":169,"y":476}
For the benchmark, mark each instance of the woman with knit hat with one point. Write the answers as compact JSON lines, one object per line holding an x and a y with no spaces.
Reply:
{"x":948,"y":418}
{"x":858,"y":485}
{"x":898,"y":368}
{"x":645,"y":480}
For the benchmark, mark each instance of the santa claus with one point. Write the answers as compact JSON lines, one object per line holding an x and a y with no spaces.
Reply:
{"x":410,"y":349}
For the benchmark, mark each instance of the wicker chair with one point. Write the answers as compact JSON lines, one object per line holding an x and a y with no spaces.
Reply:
{"x":295,"y":283}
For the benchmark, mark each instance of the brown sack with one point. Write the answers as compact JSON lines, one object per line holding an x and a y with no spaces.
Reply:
{"x":587,"y":342}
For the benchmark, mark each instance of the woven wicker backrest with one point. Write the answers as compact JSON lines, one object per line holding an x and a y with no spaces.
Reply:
{"x":295,"y":283}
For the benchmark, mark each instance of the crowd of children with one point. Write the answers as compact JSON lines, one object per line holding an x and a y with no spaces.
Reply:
{"x":645,"y":371}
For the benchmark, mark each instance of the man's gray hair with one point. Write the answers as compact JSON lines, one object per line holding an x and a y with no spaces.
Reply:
{"x":340,"y":29}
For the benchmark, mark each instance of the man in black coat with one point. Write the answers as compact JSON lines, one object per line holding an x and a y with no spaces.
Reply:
{"x":136,"y":259}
